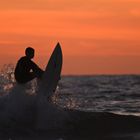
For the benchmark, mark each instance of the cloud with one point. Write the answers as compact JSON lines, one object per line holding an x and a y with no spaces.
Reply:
{"x":43,"y":4}
{"x":69,"y":5}
{"x":69,"y":24}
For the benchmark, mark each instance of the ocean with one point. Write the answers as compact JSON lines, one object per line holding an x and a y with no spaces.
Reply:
{"x":96,"y":106}
{"x":119,"y":94}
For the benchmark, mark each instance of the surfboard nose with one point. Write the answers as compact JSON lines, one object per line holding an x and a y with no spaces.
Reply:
{"x":58,"y":48}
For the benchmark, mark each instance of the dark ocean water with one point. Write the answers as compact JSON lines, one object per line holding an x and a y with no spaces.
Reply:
{"x":105,"y":93}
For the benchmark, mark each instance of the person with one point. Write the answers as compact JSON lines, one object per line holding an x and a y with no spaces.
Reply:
{"x":26,"y":70}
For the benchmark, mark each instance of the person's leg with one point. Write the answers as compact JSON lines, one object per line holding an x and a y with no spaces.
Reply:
{"x":31,"y":76}
{"x":27,"y":78}
{"x":36,"y":70}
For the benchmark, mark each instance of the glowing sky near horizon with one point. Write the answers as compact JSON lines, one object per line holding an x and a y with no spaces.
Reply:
{"x":97,"y":36}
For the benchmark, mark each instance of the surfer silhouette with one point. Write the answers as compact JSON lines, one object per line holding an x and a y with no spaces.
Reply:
{"x":26,"y":69}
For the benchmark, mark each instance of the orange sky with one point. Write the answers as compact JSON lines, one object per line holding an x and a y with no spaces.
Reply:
{"x":97,"y":36}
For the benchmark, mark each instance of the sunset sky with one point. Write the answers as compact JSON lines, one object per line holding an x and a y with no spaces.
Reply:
{"x":97,"y":36}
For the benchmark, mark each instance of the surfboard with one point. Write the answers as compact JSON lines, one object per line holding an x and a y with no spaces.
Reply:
{"x":52,"y":72}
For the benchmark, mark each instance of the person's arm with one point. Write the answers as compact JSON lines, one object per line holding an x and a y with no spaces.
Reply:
{"x":38,"y":71}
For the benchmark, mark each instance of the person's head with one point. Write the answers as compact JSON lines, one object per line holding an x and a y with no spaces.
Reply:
{"x":29,"y":52}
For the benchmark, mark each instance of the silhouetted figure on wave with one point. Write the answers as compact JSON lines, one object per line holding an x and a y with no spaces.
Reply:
{"x":26,"y":69}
